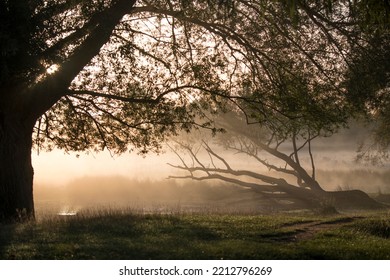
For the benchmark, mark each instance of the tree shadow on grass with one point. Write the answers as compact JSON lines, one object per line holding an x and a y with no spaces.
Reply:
{"x":141,"y":237}
{"x":154,"y":237}
{"x":7,"y":235}
{"x":124,"y":237}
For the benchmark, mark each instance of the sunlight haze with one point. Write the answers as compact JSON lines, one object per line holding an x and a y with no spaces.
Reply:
{"x":58,"y":168}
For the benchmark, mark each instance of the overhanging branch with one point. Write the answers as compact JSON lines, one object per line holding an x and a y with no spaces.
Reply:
{"x":117,"y":97}
{"x":52,"y":88}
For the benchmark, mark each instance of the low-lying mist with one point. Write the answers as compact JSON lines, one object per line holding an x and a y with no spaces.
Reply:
{"x":184,"y":195}
{"x":143,"y":195}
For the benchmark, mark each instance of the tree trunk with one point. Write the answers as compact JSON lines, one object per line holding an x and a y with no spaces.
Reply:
{"x":16,"y":171}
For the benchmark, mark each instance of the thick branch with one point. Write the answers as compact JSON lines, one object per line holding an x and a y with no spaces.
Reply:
{"x":311,"y":182}
{"x":72,"y":38}
{"x":212,"y":153}
{"x":277,"y":185}
{"x":312,"y":160}
{"x":266,"y":179}
{"x":253,"y":186}
{"x":46,"y":93}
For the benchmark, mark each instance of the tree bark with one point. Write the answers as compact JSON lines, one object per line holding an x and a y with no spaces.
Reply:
{"x":21,"y":105}
{"x":16,"y":171}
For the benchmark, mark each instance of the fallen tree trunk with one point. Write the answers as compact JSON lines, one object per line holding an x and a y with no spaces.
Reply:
{"x":288,"y":196}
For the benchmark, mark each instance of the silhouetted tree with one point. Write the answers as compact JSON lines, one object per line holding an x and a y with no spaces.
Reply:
{"x":368,"y":87}
{"x":123,"y":74}
{"x":280,"y":167}
{"x":305,"y":108}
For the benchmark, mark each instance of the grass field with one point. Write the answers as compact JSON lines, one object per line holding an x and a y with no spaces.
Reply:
{"x":122,"y":234}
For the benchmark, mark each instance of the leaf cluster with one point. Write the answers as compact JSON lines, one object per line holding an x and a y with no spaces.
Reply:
{"x":168,"y":65}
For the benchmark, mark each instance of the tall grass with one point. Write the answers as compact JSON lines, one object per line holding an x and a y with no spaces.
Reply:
{"x":128,"y":233}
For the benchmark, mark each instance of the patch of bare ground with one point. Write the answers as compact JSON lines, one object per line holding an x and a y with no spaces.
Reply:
{"x":306,"y":230}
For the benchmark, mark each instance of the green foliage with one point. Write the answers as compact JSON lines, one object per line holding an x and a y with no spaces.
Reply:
{"x":373,"y":15}
{"x":18,"y":41}
{"x":121,"y":235}
{"x":368,"y":76}
{"x":368,"y":87}
{"x":126,"y":78}
{"x":297,"y":87}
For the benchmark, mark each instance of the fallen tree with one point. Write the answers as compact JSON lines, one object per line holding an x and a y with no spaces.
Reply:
{"x":288,"y":182}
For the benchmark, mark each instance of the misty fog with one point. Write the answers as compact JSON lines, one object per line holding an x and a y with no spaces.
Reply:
{"x":69,"y":182}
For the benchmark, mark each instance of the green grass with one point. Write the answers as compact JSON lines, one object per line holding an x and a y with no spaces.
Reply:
{"x":123,"y":235}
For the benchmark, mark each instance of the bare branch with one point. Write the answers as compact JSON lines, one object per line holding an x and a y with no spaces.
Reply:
{"x":210,"y":151}
{"x":312,"y":159}
{"x":178,"y":155}
{"x":118,"y":97}
{"x":257,"y":187}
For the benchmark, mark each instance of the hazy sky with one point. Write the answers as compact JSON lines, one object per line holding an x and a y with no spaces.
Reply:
{"x":58,"y":168}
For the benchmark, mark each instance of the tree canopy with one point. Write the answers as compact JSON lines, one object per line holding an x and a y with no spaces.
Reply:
{"x":105,"y":74}
{"x":124,"y":74}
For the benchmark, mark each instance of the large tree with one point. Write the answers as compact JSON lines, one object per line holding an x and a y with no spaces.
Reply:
{"x":279,"y":165}
{"x":305,"y":107}
{"x":123,"y":74}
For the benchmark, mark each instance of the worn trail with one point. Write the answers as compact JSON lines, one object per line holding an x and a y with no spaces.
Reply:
{"x":306,"y":230}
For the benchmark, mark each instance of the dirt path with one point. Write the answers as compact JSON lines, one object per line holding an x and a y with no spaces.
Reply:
{"x":306,"y":230}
